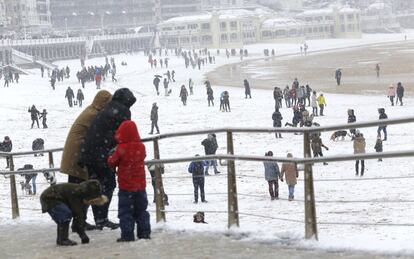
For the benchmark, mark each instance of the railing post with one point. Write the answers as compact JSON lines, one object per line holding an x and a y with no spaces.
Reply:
{"x":159,"y":188}
{"x":51,"y":164}
{"x":233,"y":208}
{"x":13,"y":191}
{"x":311,"y":230}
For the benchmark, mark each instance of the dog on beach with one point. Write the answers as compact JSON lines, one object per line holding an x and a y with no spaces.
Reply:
{"x":340,"y":133}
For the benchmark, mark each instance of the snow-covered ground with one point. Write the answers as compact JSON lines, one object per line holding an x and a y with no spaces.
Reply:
{"x":361,"y":200}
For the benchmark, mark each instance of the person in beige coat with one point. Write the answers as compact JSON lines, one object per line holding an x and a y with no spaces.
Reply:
{"x":290,"y":171}
{"x":76,"y":137}
{"x":359,"y":148}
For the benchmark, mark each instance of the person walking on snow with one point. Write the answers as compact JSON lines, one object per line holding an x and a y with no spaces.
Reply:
{"x":400,"y":94}
{"x":80,"y":97}
{"x":359,"y":148}
{"x":314,"y":104}
{"x":277,"y":121}
{"x":210,"y":93}
{"x":156,"y":83}
{"x":290,"y":171}
{"x":128,"y":158}
{"x":391,"y":94}
{"x":196,"y":168}
{"x":247,"y":89}
{"x":377,"y":70}
{"x":378,"y":147}
{"x":165,"y":83}
{"x":210,"y":148}
{"x":34,"y":113}
{"x":44,"y":119}
{"x":69,"y":95}
{"x":338,"y":76}
{"x":191,"y":86}
{"x":272,"y":174}
{"x":322,"y":103}
{"x":183,"y":95}
{"x":382,"y":116}
{"x":154,"y":118}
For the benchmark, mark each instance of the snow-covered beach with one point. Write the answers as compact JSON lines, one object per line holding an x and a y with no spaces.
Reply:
{"x":360,"y":199}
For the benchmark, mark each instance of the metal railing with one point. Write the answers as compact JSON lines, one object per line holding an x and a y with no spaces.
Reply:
{"x":233,"y":212}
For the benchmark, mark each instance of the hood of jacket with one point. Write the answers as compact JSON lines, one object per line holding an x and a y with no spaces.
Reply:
{"x":127,"y":132}
{"x":101,"y":99}
{"x":124,"y":96}
{"x":90,"y":189}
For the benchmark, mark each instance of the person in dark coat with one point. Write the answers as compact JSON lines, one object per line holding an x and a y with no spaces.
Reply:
{"x":156,"y":83}
{"x":69,"y":95}
{"x":382,"y":116}
{"x":6,"y":146}
{"x":210,"y":148}
{"x":38,"y":144}
{"x":378,"y":147}
{"x":99,"y":141}
{"x":34,"y":113}
{"x":65,"y":201}
{"x":183,"y":94}
{"x":308,"y":95}
{"x":16,"y":77}
{"x":277,"y":121}
{"x":338,"y":76}
{"x":210,"y":93}
{"x":317,"y":145}
{"x":226,"y":101}
{"x":196,"y":168}
{"x":272,"y":174}
{"x":247,"y":89}
{"x":351,"y":119}
{"x":154,"y":118}
{"x":400,"y":93}
{"x":43,"y":115}
{"x":80,"y":97}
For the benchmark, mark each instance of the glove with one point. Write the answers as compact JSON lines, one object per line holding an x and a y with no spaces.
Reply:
{"x":326,"y":148}
{"x":281,"y":179}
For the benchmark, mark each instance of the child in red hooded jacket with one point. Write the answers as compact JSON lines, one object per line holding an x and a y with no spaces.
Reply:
{"x":129,"y":157}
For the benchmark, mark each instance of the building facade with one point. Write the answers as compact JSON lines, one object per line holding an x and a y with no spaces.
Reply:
{"x":209,"y":5}
{"x":336,"y":22}
{"x":101,"y":14}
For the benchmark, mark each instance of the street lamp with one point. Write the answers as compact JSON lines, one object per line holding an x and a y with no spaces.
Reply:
{"x":102,"y":21}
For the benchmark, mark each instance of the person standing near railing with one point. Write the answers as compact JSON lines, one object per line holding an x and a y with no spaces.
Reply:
{"x":196,"y":168}
{"x":272,"y":174}
{"x":290,"y":172}
{"x":359,"y":148}
{"x":76,"y":137}
{"x":382,"y":116}
{"x":210,"y":148}
{"x":99,"y":141}
{"x":6,"y":146}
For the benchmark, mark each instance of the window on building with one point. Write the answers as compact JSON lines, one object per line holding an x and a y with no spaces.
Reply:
{"x":350,"y":27}
{"x":350,"y":16}
{"x":223,"y":37}
{"x":343,"y":28}
{"x":234,"y":37}
{"x":206,"y":39}
{"x":192,"y":26}
{"x":184,"y":40}
{"x":342,"y":17}
{"x":266,"y":34}
{"x":233,"y":26}
{"x":205,"y":26}
{"x":320,"y":29}
{"x":194,"y":39}
{"x":223,"y":26}
{"x":293,"y":32}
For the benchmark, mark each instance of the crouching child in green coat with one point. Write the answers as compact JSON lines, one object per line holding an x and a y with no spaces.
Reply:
{"x":65,"y":201}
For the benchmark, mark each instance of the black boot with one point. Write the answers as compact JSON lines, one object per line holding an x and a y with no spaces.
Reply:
{"x":107,"y":224}
{"x":63,"y":235}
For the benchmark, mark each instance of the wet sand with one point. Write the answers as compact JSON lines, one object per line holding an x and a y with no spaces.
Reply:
{"x":318,"y":70}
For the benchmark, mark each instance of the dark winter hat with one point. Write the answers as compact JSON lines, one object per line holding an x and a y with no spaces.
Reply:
{"x":6,"y":138}
{"x":269,"y":153}
{"x":124,"y":96}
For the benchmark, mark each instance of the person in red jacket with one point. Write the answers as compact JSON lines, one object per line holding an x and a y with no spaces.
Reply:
{"x":129,"y":157}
